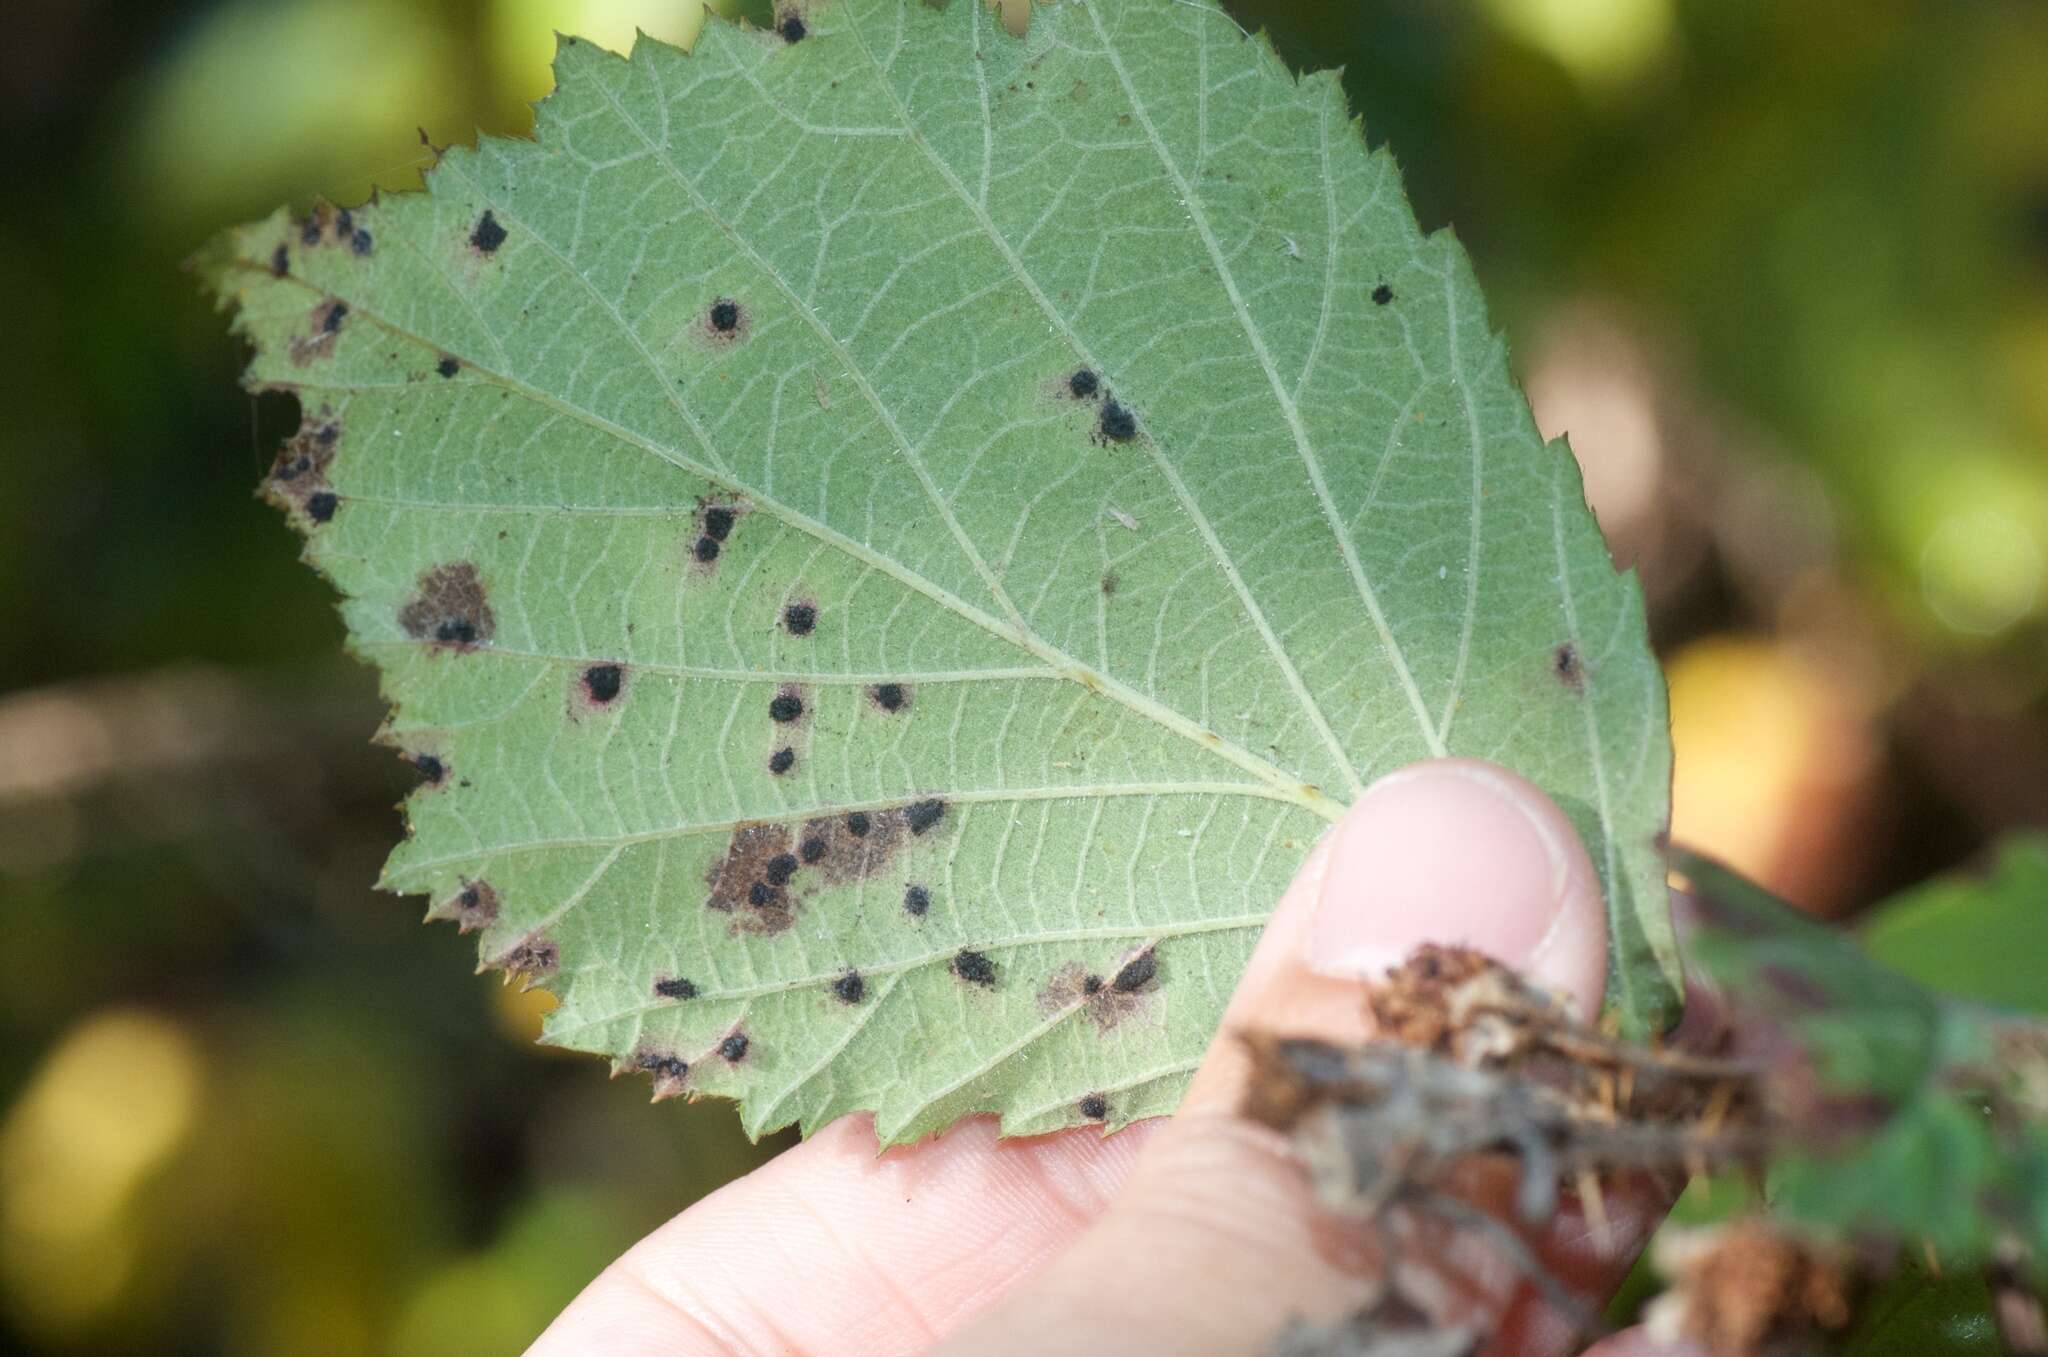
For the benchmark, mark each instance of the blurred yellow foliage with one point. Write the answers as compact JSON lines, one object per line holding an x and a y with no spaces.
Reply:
{"x":1771,"y":753}
{"x":112,"y":1101}
{"x":522,"y":33}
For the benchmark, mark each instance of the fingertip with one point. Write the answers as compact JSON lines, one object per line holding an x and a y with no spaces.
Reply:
{"x":1460,"y":852}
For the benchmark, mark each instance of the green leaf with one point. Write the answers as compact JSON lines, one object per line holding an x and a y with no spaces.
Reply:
{"x":1976,"y":937}
{"x":785,"y":324}
{"x":1905,"y":1111}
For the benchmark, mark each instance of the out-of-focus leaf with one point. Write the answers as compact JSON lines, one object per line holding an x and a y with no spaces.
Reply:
{"x":1909,"y":1113}
{"x":890,"y":541}
{"x":1982,"y":938}
{"x":1918,"y":1314}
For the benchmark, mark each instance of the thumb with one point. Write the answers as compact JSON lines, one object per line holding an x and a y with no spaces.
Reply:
{"x":1212,"y":1246}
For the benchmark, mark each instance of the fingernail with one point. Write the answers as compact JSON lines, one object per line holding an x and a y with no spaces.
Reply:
{"x":1453,"y":851}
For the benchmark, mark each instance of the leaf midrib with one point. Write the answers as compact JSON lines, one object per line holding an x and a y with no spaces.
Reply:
{"x":1341,"y":760}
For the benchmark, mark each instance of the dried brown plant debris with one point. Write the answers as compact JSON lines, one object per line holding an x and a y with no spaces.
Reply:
{"x":1747,"y":1287}
{"x":1479,"y":1073}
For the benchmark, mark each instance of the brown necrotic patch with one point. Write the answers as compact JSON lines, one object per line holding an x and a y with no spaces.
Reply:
{"x":1074,"y":986}
{"x":768,"y":869}
{"x":298,"y":474}
{"x":323,"y":326}
{"x":474,"y":906}
{"x":743,"y":882}
{"x":450,"y":609}
{"x":534,"y":957}
{"x":853,"y":846}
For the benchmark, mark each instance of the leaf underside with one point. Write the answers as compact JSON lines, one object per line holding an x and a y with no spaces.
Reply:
{"x":747,"y":390}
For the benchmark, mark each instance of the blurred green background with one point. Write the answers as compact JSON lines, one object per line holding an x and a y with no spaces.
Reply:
{"x":1780,"y":266}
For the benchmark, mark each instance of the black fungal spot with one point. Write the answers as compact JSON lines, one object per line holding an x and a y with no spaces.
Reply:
{"x":430,"y":769}
{"x":1382,"y":294}
{"x":792,"y":28}
{"x":1095,"y":1107}
{"x":734,"y":1047}
{"x":280,"y":262}
{"x":850,"y":988}
{"x":450,"y":608}
{"x":337,"y":312}
{"x":1564,"y":662}
{"x":1092,"y":985}
{"x":814,"y":849}
{"x":321,"y":504}
{"x":344,"y":224}
{"x":706,"y":549}
{"x":360,"y":241}
{"x":663,"y":1066}
{"x":916,"y":901}
{"x":1136,"y":973}
{"x":785,"y":707}
{"x":1108,"y":584}
{"x":781,"y":761}
{"x":675,"y":987}
{"x":724,"y":316}
{"x":922,"y":815}
{"x":488,"y":235}
{"x":799,"y":618}
{"x":309,"y":230}
{"x":857,"y":824}
{"x":781,"y":868}
{"x":1118,"y":424}
{"x":601,"y":682}
{"x":1083,"y":383}
{"x":761,"y":895}
{"x":448,"y":367}
{"x":889,"y":697}
{"x":975,"y":968}
{"x":718,"y":522}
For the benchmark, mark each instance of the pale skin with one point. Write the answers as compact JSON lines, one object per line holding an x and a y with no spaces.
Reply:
{"x":1195,"y":1234}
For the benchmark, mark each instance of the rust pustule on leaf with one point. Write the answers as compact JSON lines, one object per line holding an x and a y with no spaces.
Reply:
{"x":450,"y":608}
